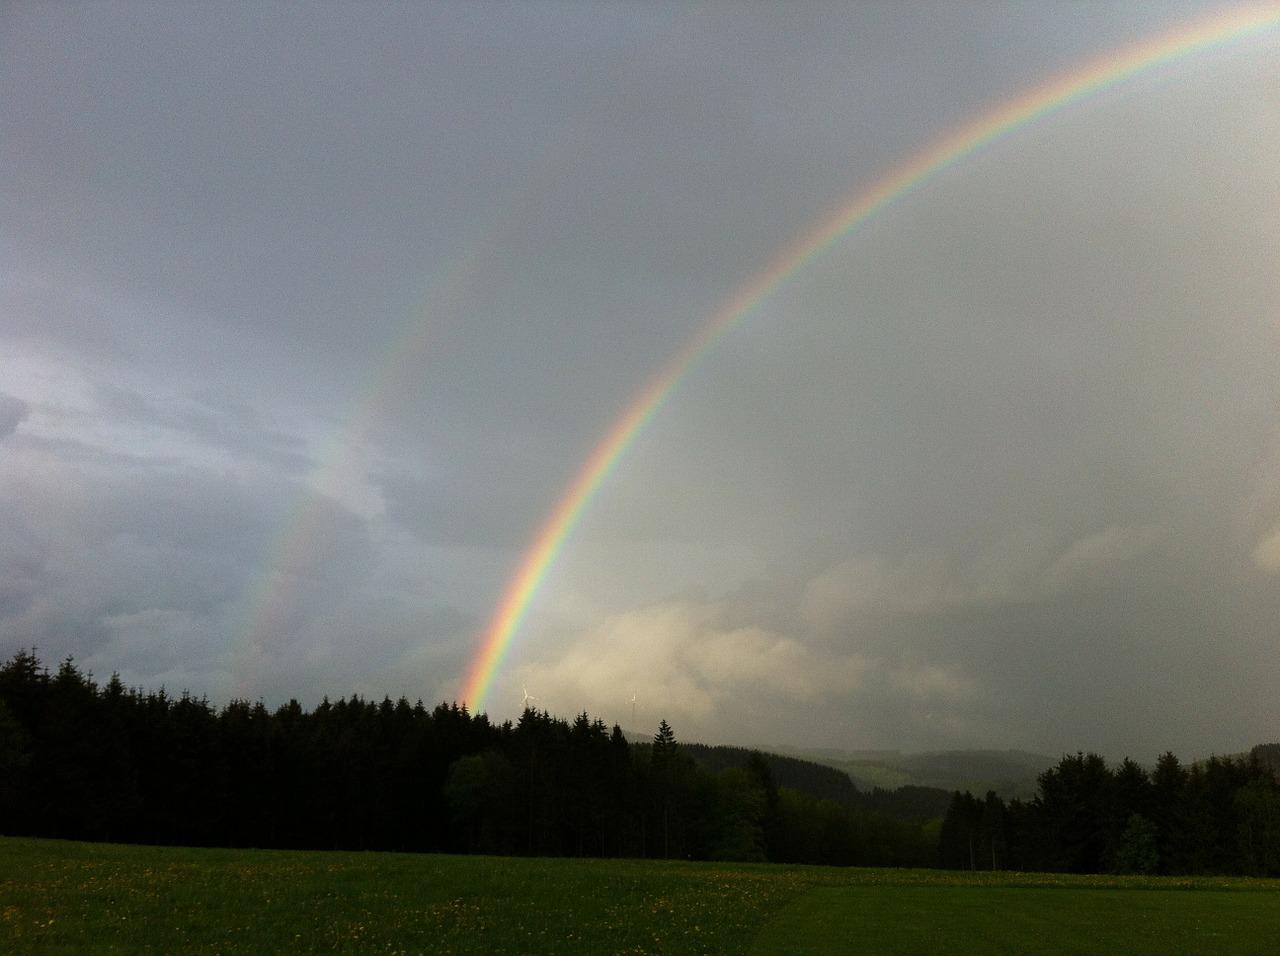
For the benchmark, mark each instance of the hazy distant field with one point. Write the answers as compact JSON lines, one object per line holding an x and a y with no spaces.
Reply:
{"x":57,"y":896}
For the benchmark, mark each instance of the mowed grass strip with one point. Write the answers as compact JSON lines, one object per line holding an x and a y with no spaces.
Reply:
{"x":71,"y":897}
{"x":1000,"y":920}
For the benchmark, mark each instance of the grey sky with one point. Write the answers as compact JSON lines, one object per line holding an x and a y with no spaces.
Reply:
{"x":310,"y":313}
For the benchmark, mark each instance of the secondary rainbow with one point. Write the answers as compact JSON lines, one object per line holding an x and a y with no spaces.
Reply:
{"x":340,"y":462}
{"x":305,"y":532}
{"x":1093,"y":77}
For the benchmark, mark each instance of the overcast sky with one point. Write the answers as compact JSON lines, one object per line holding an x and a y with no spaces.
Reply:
{"x":309,"y":315}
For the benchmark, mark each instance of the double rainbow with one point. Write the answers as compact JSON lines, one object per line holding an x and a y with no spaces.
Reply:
{"x":917,"y":170}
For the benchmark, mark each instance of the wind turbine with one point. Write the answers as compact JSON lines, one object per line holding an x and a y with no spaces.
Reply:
{"x":633,"y":710}
{"x":527,"y":697}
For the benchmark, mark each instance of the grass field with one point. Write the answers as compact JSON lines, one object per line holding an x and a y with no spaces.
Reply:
{"x":64,"y":897}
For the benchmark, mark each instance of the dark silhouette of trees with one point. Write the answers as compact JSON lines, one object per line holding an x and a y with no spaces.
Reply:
{"x":83,"y":761}
{"x":1268,"y":755}
{"x":665,"y":765}
{"x":1221,"y":815}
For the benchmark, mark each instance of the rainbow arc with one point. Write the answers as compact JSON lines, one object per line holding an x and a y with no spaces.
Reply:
{"x":960,"y":144}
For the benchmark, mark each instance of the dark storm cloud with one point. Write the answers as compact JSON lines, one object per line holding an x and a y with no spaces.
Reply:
{"x":154,"y":560}
{"x":12,"y":412}
{"x":22,"y":560}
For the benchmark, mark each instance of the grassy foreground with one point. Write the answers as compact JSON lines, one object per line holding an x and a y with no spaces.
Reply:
{"x":62,"y":897}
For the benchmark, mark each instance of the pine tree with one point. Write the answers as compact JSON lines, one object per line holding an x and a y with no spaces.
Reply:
{"x":664,"y":741}
{"x":663,"y":766}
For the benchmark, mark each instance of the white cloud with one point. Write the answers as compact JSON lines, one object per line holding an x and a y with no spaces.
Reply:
{"x":1258,"y":510}
{"x":1267,"y":554}
{"x":681,"y":658}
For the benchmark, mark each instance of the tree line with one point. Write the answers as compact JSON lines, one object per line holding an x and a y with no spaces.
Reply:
{"x":1221,"y":815}
{"x":80,"y":760}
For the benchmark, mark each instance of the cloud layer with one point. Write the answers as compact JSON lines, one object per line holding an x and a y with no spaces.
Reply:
{"x":307,"y":321}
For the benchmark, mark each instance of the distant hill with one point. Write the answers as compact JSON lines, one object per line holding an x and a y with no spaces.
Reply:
{"x":1010,"y":773}
{"x":910,"y":786}
{"x":807,"y":776}
{"x":827,"y":782}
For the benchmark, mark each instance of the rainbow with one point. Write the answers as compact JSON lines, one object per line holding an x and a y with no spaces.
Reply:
{"x":305,"y":531}
{"x":272,"y":604}
{"x":918,"y":169}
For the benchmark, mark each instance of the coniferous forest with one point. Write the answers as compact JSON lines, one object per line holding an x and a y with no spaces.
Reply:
{"x":1221,"y":815}
{"x":87,"y":761}
{"x":84,"y":761}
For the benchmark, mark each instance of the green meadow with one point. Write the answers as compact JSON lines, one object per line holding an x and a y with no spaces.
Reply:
{"x":67,"y":897}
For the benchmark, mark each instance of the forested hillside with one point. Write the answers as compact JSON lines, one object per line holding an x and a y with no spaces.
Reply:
{"x":84,"y":761}
{"x":829,"y":783}
{"x":108,"y":762}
